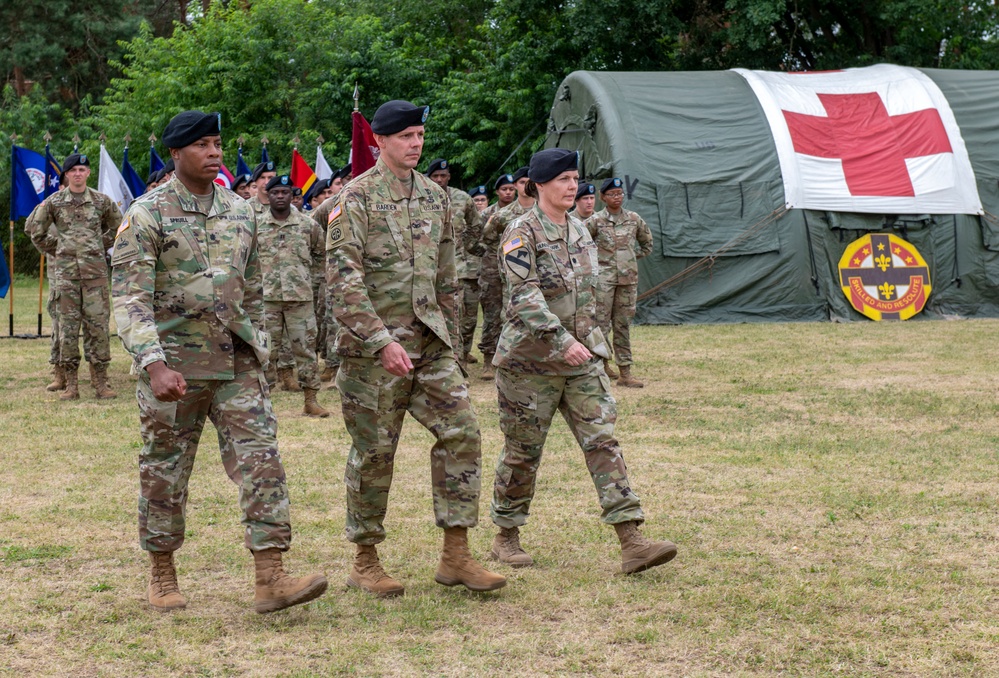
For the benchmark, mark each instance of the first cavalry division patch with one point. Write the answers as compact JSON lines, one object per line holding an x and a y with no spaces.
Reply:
{"x":884,"y":277}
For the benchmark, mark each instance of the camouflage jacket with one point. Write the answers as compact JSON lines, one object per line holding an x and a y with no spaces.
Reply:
{"x":496,"y":222}
{"x":467,"y":226}
{"x":391,"y":263}
{"x":184,"y":283}
{"x":616,"y":236}
{"x":550,"y":295}
{"x":75,"y":232}
{"x":292,"y":256}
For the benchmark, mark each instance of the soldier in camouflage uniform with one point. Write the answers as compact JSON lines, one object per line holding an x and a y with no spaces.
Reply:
{"x":189,"y":309}
{"x":58,"y":382}
{"x":467,"y":225}
{"x":76,"y":227}
{"x":549,"y":359}
{"x":616,"y":232}
{"x":321,"y":215}
{"x":491,"y":279}
{"x":292,"y":256}
{"x":391,"y":272}
{"x":480,"y":196}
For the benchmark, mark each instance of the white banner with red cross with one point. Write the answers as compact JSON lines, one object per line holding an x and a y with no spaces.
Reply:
{"x":881,"y":139}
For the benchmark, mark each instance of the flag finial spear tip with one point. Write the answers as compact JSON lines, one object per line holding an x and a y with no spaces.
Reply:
{"x":357,"y":97}
{"x":47,"y":137}
{"x":320,"y":140}
{"x":152,"y":139}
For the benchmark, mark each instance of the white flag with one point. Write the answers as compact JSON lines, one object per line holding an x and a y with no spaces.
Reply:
{"x":881,"y":139}
{"x":111,"y":183}
{"x":323,"y":170}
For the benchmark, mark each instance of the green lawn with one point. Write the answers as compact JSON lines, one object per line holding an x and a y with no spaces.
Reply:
{"x":832,"y":489}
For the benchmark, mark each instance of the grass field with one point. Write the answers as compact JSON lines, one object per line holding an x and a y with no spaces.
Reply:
{"x":832,"y":489}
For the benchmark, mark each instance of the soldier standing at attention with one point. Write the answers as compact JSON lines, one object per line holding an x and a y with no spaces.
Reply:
{"x":292,"y":255}
{"x":391,"y":272}
{"x":586,"y":199}
{"x":75,"y":227}
{"x":467,"y":225}
{"x":241,"y":186}
{"x":58,"y":382}
{"x":549,"y":359}
{"x":262,"y":173}
{"x":491,"y":233}
{"x":480,"y":196}
{"x":617,"y":232}
{"x":189,"y":308}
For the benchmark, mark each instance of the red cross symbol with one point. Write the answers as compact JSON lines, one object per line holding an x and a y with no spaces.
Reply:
{"x":872,"y":145}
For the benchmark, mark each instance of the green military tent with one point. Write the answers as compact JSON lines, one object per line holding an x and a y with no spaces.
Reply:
{"x":701,"y":165}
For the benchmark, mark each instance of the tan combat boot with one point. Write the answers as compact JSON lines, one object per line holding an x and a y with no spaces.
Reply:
{"x":287,"y":378}
{"x":312,"y":406}
{"x":638,"y":553}
{"x":275,"y":590}
{"x":369,"y":576}
{"x":471,"y":359}
{"x":163,"y":592}
{"x":506,"y":548}
{"x":488,"y":371}
{"x":99,"y":380}
{"x":627,"y":380}
{"x":58,"y":379}
{"x":458,"y":567}
{"x":609,"y":369}
{"x":72,"y":390}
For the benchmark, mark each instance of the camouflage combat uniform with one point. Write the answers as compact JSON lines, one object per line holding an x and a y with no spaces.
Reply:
{"x":391,"y":273}
{"x":617,"y":289}
{"x":292,"y":253}
{"x":52,"y":305}
{"x":490,"y":278}
{"x":187,"y":291}
{"x":551,"y":281}
{"x":76,"y":231}
{"x":281,"y":353}
{"x":331,"y":331}
{"x":467,"y":226}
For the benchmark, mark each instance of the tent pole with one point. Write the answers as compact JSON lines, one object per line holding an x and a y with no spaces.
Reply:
{"x":41,"y":286}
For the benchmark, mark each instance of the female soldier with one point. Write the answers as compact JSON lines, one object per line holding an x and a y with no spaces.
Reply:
{"x":548,"y":358}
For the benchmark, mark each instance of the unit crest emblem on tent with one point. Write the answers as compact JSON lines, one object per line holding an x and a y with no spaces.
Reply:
{"x":884,"y":277}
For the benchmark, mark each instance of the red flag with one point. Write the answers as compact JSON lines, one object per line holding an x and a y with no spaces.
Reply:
{"x":363,"y":149}
{"x":225,"y":177}
{"x":301,"y":174}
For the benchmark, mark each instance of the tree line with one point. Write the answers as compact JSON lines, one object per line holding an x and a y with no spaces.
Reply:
{"x":489,"y":69}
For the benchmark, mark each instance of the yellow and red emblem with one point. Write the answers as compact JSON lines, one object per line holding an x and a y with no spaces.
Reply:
{"x":884,"y":277}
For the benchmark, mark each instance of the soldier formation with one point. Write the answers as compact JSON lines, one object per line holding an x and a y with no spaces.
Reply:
{"x":220,"y":295}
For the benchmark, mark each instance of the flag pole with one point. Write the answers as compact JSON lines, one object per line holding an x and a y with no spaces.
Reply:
{"x":10,"y":268}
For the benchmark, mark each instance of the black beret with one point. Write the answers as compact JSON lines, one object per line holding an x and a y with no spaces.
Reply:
{"x":551,"y":162}
{"x":187,"y":127}
{"x":503,"y":180}
{"x":154,"y":177}
{"x":346,"y":169}
{"x":317,"y":187}
{"x":440,"y":164}
{"x":585,"y":188}
{"x":280,"y":180}
{"x":261,"y":168}
{"x":394,"y":116}
{"x":168,"y":167}
{"x":296,"y":191}
{"x":74,"y":159}
{"x":478,"y":190}
{"x":240,"y":180}
{"x":520,"y":174}
{"x":609,"y":184}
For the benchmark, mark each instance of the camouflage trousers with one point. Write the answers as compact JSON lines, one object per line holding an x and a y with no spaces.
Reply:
{"x":84,"y":303}
{"x":332,"y":335}
{"x":527,"y":405}
{"x":374,"y":404}
{"x":320,"y":307}
{"x":469,"y":313}
{"x":247,"y":432}
{"x":615,"y":310}
{"x":53,"y":309}
{"x":295,"y":322}
{"x":491,"y":299}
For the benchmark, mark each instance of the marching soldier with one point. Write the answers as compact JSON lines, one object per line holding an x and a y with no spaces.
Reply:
{"x":189,"y":309}
{"x":391,"y":272}
{"x":618,"y":233}
{"x":75,"y":227}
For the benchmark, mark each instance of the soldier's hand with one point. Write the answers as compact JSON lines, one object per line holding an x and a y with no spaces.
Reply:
{"x":395,"y":360}
{"x":167,"y":384}
{"x":577,"y":354}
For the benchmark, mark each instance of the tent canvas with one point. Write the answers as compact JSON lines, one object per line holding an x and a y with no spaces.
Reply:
{"x":700,"y":165}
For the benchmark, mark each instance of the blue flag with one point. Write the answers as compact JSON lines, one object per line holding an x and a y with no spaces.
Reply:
{"x":53,"y":170}
{"x":136,"y":185}
{"x":27,"y":181}
{"x":155,"y":163}
{"x":241,"y":166}
{"x":4,"y":274}
{"x":263,"y":155}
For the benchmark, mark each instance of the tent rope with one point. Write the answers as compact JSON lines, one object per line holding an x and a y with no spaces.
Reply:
{"x":709,"y":261}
